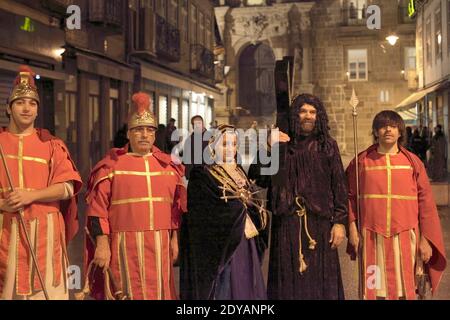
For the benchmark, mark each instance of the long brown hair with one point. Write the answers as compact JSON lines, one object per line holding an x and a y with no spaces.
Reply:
{"x":389,"y":118}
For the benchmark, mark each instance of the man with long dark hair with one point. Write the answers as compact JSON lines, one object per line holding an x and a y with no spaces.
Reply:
{"x":309,"y":208}
{"x":400,"y":227}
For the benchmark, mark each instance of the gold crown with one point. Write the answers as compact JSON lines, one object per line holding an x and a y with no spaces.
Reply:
{"x":146,"y":118}
{"x":24,"y":88}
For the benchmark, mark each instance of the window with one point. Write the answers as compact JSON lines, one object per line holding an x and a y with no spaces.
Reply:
{"x":70,"y":124}
{"x":193,"y":24}
{"x":194,"y":109}
{"x":448,"y":26}
{"x":357,"y":65}
{"x":162,"y":110}
{"x":438,"y":33}
{"x":357,"y":9}
{"x":94,"y":129}
{"x":209,"y":113}
{"x":409,"y":68}
{"x":174,"y":111}
{"x":428,"y":40}
{"x":384,"y":96}
{"x":173,"y":13}
{"x":185,"y":115}
{"x":410,"y":58}
{"x":202,"y":108}
{"x":113,"y":110}
{"x":256,"y":2}
{"x":208,"y":28}
{"x":184,"y":20}
{"x":201,"y":28}
{"x":161,"y":8}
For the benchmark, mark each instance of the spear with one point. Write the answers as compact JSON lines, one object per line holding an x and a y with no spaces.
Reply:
{"x":354,"y":103}
{"x":24,"y":228}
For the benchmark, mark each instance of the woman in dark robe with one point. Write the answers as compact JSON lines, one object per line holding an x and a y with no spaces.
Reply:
{"x":222,"y":235}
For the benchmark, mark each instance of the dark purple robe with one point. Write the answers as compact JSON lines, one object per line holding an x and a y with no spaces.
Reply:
{"x":316,"y":173}
{"x":216,"y":259}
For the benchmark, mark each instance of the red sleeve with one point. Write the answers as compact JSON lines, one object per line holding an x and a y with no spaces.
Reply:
{"x":179,"y":205}
{"x":430,"y":226}
{"x":99,"y":196}
{"x":63,"y":168}
{"x":98,"y":226}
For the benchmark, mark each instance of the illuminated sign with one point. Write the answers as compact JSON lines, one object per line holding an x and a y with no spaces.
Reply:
{"x":28,"y":25}
{"x":411,"y":8}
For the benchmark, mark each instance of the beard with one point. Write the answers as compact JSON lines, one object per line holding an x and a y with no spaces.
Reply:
{"x":307,"y":126}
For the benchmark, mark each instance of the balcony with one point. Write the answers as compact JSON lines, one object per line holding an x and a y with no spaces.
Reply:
{"x":106,"y":12}
{"x":167,"y":40}
{"x":202,"y":61}
{"x":352,"y":16}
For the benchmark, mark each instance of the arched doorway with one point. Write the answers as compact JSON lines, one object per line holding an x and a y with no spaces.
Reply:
{"x":256,"y":80}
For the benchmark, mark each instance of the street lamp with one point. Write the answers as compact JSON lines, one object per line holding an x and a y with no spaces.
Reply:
{"x":392,"y":39}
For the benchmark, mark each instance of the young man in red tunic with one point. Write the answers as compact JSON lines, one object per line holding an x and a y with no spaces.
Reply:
{"x":400,"y":227}
{"x":45,"y":183}
{"x":135,"y":200}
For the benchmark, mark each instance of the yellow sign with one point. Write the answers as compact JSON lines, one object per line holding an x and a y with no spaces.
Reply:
{"x":411,"y":8}
{"x":27,"y":25}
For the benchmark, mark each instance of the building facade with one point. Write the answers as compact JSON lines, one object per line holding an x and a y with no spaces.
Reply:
{"x":334,"y":52}
{"x":432,"y":99}
{"x":86,"y":76}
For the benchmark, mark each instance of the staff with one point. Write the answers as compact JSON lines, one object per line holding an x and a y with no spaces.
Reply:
{"x":354,"y":103}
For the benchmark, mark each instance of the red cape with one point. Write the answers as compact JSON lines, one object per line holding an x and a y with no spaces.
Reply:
{"x":68,"y":207}
{"x":430,"y":226}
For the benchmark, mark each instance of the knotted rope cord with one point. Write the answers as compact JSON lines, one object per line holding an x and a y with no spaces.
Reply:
{"x":302,"y":213}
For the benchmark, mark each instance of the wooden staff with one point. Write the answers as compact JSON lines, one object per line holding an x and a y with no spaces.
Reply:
{"x":354,"y":102}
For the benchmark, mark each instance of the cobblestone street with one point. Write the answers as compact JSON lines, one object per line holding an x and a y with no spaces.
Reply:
{"x":349,"y":268}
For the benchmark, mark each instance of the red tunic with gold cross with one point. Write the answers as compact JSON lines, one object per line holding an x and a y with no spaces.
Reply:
{"x":34,"y":164}
{"x":396,"y":203}
{"x":139,"y":202}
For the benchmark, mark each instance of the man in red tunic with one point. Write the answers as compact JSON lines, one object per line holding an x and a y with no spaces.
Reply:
{"x":400,"y":227}
{"x":45,"y":182}
{"x":135,"y":200}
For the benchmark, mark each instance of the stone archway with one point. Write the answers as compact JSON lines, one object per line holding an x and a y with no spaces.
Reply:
{"x":256,"y":80}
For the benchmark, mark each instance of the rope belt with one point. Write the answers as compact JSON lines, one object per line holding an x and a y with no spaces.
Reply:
{"x":302,"y":213}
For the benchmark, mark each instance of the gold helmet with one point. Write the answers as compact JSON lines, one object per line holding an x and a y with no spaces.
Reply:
{"x":24,"y":86}
{"x":141,"y":114}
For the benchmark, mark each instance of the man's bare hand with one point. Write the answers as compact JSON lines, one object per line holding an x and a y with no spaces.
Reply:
{"x":102,"y":256}
{"x":18,"y":199}
{"x":353,"y":237}
{"x":337,"y":235}
{"x":277,"y":136}
{"x":425,"y":250}
{"x":5,"y":207}
{"x":174,"y":247}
